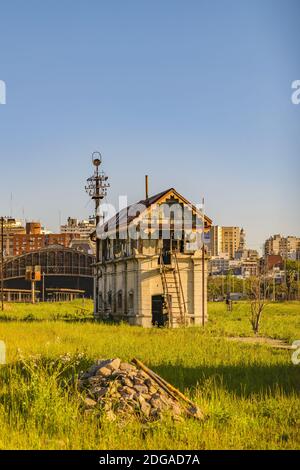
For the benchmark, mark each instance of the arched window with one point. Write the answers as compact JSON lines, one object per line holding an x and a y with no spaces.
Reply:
{"x":43,"y":258}
{"x":60,"y":262}
{"x":68,"y":262}
{"x":51,"y":261}
{"x":22,"y":266}
{"x":60,"y":258}
{"x":82,"y":264}
{"x":76,"y":263}
{"x":15,"y":268}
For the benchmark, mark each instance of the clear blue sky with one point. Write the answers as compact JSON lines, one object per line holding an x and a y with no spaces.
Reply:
{"x":195,"y":93}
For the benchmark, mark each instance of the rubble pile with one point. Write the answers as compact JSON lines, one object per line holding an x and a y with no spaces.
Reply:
{"x":122,"y":388}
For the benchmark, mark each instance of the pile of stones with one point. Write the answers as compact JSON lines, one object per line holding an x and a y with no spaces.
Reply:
{"x":120,"y":388}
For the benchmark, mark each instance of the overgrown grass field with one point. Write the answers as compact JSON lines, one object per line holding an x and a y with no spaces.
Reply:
{"x":250,"y":393}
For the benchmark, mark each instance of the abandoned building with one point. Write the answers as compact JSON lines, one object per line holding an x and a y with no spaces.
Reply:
{"x":152,"y":266}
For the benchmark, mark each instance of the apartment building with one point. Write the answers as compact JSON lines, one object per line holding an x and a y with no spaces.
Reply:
{"x":11,"y":227}
{"x":19,"y":240}
{"x":226,"y":241}
{"x":286,"y":247}
{"x":215,"y":246}
{"x":82,"y":228}
{"x":230,"y":240}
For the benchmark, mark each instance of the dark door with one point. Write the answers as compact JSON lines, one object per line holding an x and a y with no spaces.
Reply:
{"x":166,"y":251}
{"x":158,"y":317}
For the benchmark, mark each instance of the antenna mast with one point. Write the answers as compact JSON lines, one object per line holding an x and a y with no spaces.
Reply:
{"x":97,"y":189}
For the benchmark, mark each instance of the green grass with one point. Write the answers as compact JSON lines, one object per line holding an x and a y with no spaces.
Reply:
{"x":75,"y":310}
{"x":249,"y":392}
{"x":279,"y":320}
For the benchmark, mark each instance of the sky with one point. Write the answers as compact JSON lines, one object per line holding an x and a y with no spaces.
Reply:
{"x":195,"y":93}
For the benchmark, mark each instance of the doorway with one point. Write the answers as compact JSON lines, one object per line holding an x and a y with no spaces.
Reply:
{"x":159,"y":318}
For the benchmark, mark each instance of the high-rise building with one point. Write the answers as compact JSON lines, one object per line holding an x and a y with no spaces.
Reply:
{"x":272,"y":245}
{"x":230,"y":240}
{"x":226,"y":240}
{"x":290,"y":248}
{"x":286,"y":247}
{"x":215,"y":240}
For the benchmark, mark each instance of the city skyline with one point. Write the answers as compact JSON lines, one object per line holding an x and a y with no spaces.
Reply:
{"x":199,"y":99}
{"x":86,"y":214}
{"x":82,"y":225}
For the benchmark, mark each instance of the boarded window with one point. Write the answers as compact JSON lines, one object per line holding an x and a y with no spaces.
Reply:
{"x":130,"y":300}
{"x":120,"y":300}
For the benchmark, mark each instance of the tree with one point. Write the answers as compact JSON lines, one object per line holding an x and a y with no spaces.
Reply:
{"x":214,"y":287}
{"x":292,"y":269}
{"x":258,"y":302}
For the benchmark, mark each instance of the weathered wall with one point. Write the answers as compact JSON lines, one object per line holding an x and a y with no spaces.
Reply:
{"x":137,"y":279}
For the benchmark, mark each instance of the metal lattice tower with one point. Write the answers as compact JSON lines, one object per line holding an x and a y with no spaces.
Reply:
{"x":97,"y":189}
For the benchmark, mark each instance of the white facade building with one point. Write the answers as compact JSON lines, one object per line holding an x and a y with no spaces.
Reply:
{"x":152,"y":269}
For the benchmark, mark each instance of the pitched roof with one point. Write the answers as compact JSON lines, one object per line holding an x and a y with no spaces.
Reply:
{"x":123,"y":219}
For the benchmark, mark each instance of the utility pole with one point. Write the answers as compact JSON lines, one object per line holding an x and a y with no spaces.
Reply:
{"x":298,"y":271}
{"x":203,"y":265}
{"x":43,"y":287}
{"x":97,"y":189}
{"x":285,"y":278}
{"x":33,"y":291}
